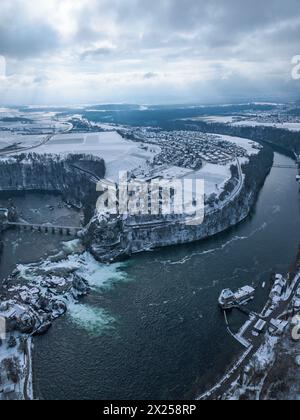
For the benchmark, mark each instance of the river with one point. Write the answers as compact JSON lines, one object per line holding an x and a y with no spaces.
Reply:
{"x":151,"y":327}
{"x":36,"y":208}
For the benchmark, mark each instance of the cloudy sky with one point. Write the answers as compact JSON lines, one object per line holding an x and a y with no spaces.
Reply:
{"x":142,"y":51}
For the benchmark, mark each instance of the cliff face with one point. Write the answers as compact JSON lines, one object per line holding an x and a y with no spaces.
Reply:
{"x":70,"y":176}
{"x":112,"y":238}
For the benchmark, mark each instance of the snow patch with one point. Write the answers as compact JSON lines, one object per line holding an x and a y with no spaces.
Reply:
{"x":252,"y":123}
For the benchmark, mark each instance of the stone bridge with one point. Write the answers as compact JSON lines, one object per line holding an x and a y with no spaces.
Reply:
{"x":48,"y":228}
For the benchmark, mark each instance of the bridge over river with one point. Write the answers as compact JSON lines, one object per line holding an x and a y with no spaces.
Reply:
{"x":45,"y":228}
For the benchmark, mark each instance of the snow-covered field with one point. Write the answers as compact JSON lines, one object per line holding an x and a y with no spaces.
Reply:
{"x":216,"y":119}
{"x":236,"y":121}
{"x":28,"y":129}
{"x":8,"y":138}
{"x":251,"y":147}
{"x":252,"y":123}
{"x":215,"y":176}
{"x":119,"y":154}
{"x":107,"y":126}
{"x":124,"y":155}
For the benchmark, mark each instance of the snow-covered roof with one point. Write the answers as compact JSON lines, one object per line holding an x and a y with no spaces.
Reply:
{"x":277,"y":289}
{"x":260,"y":325}
{"x":244,"y":291}
{"x":279,"y":324}
{"x":227,"y":293}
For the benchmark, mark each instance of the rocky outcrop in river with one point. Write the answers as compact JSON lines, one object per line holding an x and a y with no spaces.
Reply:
{"x":31,"y":299}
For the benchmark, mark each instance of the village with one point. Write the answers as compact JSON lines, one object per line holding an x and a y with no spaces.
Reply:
{"x":189,"y":149}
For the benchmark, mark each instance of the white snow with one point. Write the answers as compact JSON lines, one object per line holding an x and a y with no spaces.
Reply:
{"x":265,"y":355}
{"x":8,"y":138}
{"x":7,"y":385}
{"x":119,"y":154}
{"x":251,"y":147}
{"x":215,"y":176}
{"x":216,"y":119}
{"x":252,"y":123}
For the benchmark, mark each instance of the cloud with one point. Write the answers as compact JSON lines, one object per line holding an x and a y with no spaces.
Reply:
{"x":96,"y":53}
{"x":211,"y":47}
{"x":41,"y":79}
{"x":150,"y":75}
{"x":22,"y":35}
{"x":2,"y":66}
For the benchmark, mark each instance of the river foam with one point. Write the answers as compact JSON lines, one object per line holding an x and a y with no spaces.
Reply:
{"x":98,"y":276}
{"x":96,"y":321}
{"x":189,"y":257}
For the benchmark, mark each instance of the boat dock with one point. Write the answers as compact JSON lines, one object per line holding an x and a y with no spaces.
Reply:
{"x":273,"y":320}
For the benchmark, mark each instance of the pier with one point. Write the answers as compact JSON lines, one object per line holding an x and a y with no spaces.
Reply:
{"x":272,"y":320}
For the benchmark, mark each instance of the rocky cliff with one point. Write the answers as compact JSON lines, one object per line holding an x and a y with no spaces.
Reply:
{"x":69,"y":175}
{"x":110,"y":238}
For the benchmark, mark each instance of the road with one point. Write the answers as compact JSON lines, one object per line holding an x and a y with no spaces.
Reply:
{"x":28,"y":370}
{"x":43,"y":142}
{"x":93,"y":177}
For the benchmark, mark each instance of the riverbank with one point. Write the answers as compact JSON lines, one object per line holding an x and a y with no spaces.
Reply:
{"x":41,"y":208}
{"x":22,"y":315}
{"x":31,"y":299}
{"x":254,"y":375}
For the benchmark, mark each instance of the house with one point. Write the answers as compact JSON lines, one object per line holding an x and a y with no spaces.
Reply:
{"x":276,"y":291}
{"x":279,"y":285}
{"x":278,"y":326}
{"x":296,"y":305}
{"x":259,"y":327}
